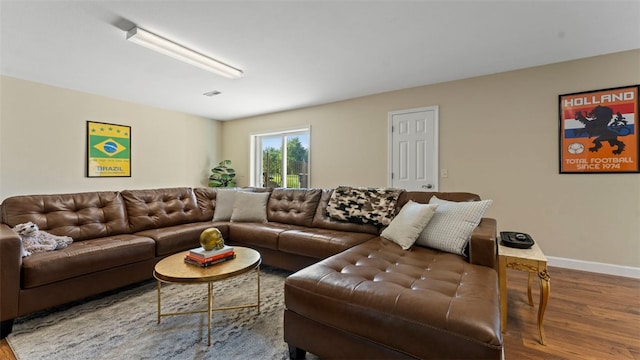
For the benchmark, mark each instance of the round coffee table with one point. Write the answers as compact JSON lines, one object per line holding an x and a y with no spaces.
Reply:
{"x":173,"y":270}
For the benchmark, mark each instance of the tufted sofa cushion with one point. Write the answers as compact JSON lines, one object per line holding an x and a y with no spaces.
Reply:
{"x":150,"y":209}
{"x":82,"y":216}
{"x":424,"y":303}
{"x":293,"y":206}
{"x":206,"y":198}
{"x":85,"y":257}
{"x":423,"y":197}
{"x":319,"y":243}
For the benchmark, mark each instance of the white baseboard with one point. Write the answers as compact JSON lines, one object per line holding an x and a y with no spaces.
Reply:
{"x":591,"y":266}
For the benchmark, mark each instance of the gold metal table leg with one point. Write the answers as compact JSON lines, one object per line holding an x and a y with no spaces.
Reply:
{"x":210,"y":309}
{"x":159,"y":286}
{"x":209,"y":312}
{"x":544,"y":298}
{"x":258,"y":289}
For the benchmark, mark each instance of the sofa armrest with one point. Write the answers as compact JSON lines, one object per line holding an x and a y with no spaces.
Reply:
{"x":10,"y":264}
{"x":483,"y":246}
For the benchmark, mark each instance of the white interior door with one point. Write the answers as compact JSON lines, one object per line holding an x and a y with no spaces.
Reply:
{"x":413,"y":149}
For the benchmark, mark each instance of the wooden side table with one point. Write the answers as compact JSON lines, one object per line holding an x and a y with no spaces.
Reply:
{"x":533,"y":261}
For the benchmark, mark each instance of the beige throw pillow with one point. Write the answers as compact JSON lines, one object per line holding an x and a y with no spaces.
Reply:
{"x":224,"y":204}
{"x":250,"y":207}
{"x":409,"y":223}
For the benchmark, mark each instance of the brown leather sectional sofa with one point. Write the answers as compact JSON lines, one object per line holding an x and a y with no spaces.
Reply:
{"x":352,"y":298}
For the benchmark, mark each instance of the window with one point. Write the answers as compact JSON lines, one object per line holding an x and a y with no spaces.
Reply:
{"x":281,"y":159}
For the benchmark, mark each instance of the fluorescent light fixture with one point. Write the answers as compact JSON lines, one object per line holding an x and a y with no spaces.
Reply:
{"x":177,"y":51}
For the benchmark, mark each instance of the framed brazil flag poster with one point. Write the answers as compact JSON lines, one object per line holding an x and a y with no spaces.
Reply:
{"x":598,"y":131}
{"x":108,"y":150}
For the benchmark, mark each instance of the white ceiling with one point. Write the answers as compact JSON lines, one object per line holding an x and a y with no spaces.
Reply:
{"x":298,"y":53}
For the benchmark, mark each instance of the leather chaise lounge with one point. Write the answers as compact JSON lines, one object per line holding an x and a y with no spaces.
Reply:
{"x":375,"y":300}
{"x":354,"y":294}
{"x":378,"y":301}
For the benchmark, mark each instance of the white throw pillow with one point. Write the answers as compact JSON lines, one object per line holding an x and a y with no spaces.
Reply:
{"x":250,"y":207}
{"x":224,"y":204}
{"x":409,"y":223}
{"x":451,"y":226}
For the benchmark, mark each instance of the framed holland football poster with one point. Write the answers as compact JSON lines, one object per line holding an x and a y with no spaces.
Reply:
{"x":598,"y":131}
{"x":108,"y":150}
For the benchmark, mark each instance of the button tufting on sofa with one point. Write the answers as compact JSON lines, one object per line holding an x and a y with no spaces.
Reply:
{"x":367,"y":295}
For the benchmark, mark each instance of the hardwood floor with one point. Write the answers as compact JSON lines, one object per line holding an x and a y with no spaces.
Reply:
{"x":589,"y":316}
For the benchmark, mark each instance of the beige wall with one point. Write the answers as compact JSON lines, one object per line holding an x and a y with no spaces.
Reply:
{"x":43,"y":139}
{"x":498,"y":138}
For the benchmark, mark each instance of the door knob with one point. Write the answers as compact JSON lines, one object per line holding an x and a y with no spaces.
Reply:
{"x":428,"y":186}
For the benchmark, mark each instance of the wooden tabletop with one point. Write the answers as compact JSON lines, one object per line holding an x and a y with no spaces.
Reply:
{"x":174,"y":269}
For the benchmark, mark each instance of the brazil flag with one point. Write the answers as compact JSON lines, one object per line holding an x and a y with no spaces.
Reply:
{"x":110,"y":147}
{"x":108,"y":150}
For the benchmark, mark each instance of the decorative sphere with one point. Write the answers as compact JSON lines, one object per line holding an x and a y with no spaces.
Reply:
{"x":211,"y":239}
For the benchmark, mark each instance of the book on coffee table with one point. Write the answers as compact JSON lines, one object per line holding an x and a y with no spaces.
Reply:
{"x":202,"y":253}
{"x":210,"y":258}
{"x":190,"y":261}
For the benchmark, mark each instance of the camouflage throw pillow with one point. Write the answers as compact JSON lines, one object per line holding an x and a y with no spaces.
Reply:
{"x":363,"y":205}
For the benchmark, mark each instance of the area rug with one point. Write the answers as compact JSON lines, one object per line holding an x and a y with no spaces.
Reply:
{"x":123,"y":325}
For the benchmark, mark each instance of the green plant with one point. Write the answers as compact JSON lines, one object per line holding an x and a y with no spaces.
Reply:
{"x":222,"y":175}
